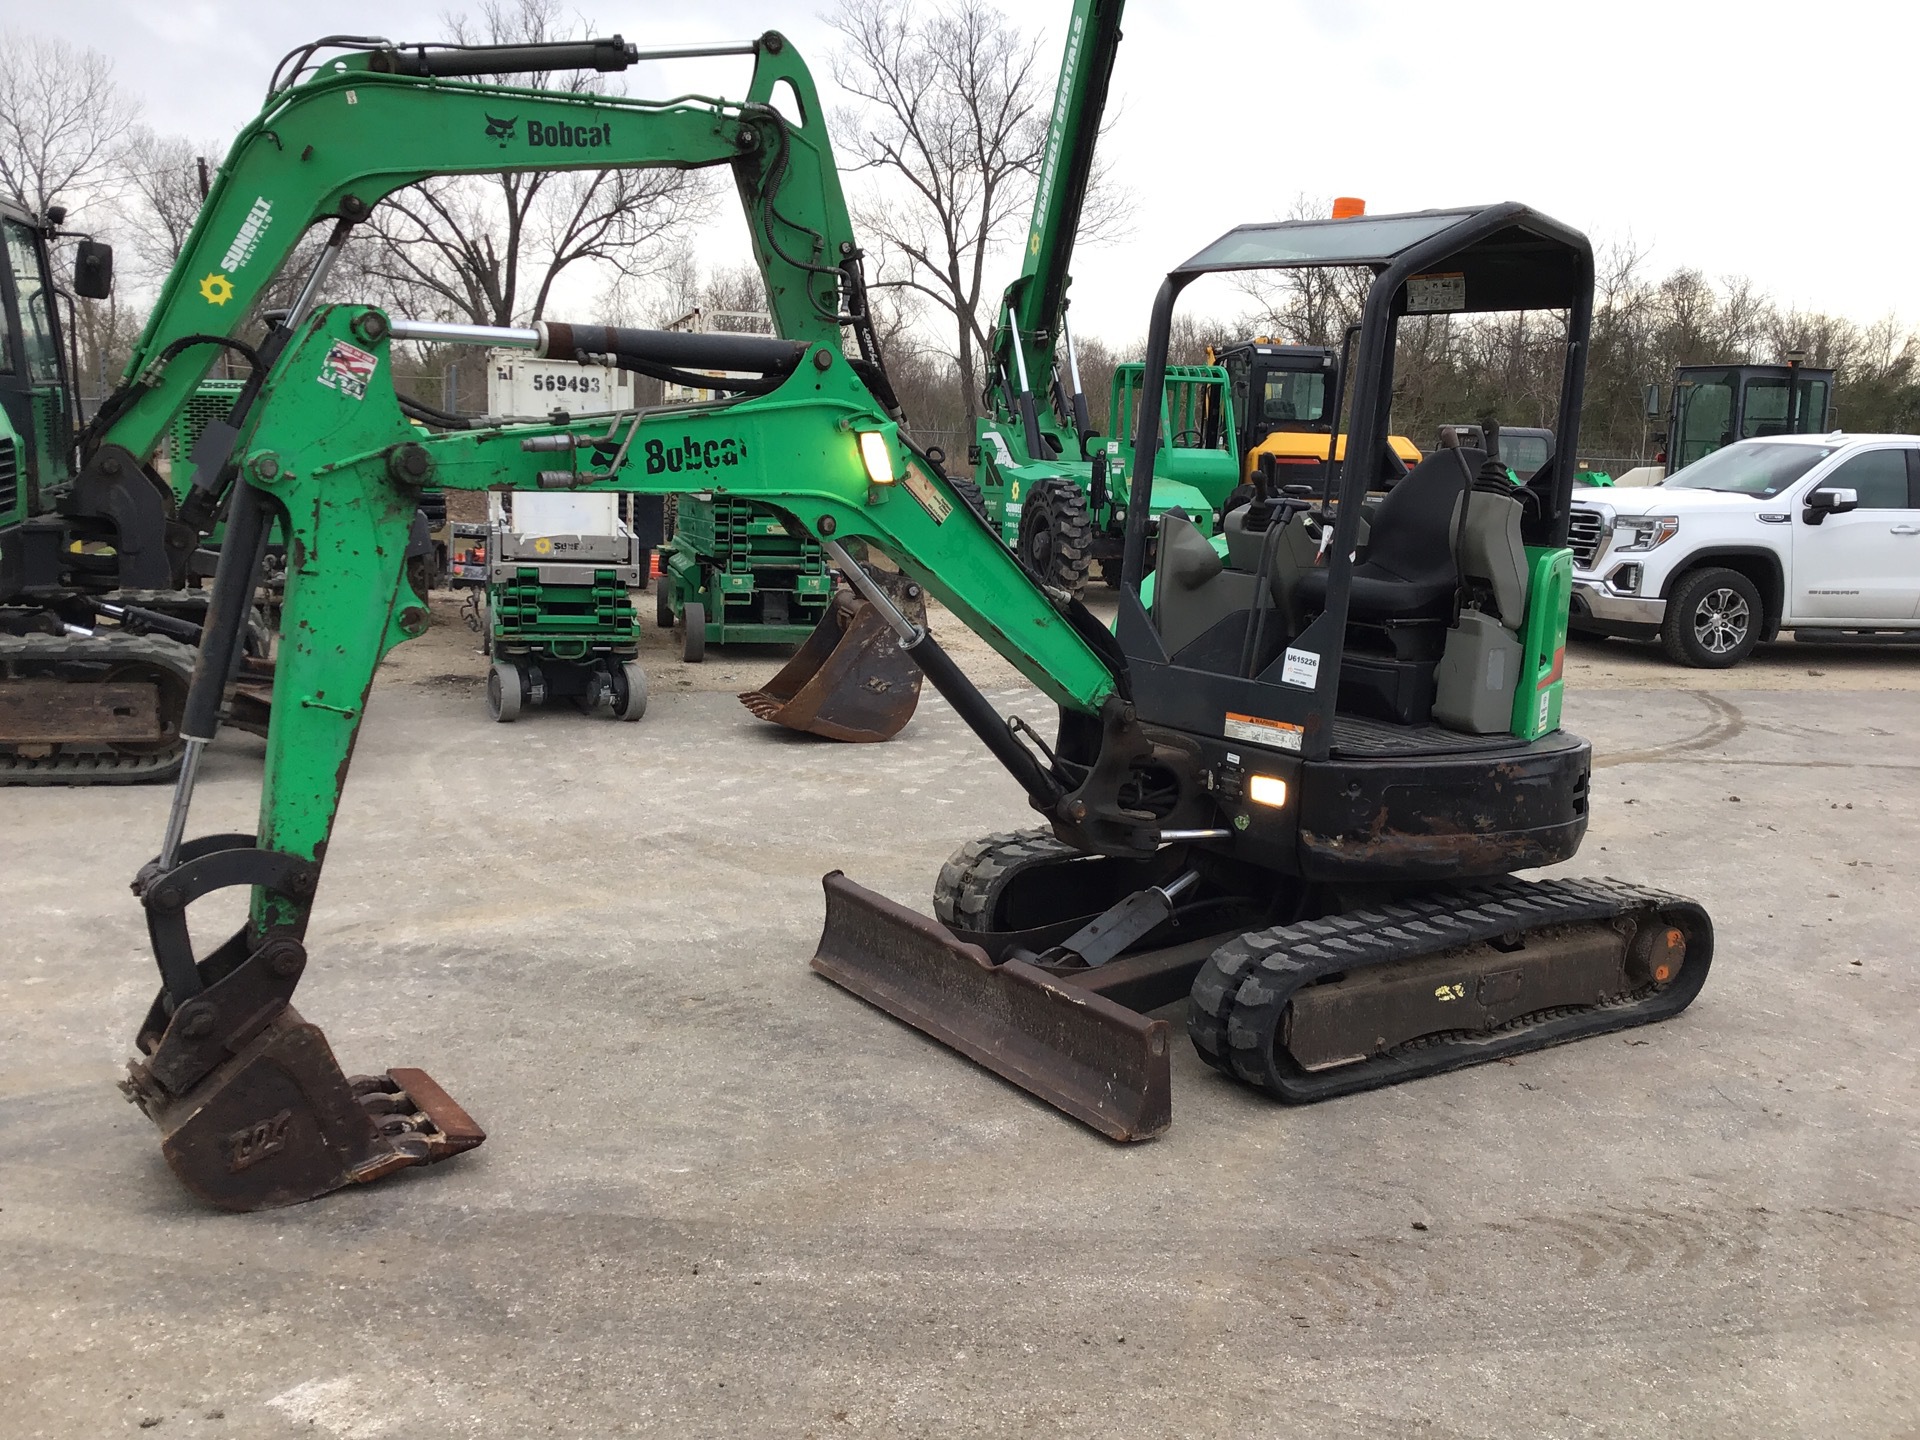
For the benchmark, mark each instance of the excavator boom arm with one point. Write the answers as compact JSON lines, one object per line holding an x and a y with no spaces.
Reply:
{"x":342,"y":466}
{"x":336,"y":145}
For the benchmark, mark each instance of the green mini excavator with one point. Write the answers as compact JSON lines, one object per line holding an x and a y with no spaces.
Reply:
{"x":1290,"y":792}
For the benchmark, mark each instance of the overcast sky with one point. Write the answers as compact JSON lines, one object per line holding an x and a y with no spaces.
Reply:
{"x":1771,"y":141}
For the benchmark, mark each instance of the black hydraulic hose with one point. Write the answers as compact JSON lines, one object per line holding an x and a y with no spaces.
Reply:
{"x":419,"y":410}
{"x":234,"y":580}
{"x":122,"y":399}
{"x":1030,"y":420}
{"x":986,"y":722}
{"x":694,"y":379}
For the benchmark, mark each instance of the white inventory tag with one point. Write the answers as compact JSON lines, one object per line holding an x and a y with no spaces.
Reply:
{"x":1302,"y":668}
{"x":1258,"y":730}
{"x":1428,"y":293}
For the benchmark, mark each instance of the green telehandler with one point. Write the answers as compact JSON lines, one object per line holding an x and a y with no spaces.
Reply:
{"x":1293,"y":793}
{"x":1057,"y":489}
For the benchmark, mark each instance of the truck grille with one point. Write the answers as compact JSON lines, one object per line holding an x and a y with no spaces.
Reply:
{"x":1584,"y":530}
{"x":9,"y":475}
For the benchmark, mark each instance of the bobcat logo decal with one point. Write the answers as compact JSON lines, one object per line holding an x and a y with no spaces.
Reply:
{"x":501,"y":130}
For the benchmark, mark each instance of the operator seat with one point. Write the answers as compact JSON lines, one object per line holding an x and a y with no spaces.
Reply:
{"x":1410,"y":572}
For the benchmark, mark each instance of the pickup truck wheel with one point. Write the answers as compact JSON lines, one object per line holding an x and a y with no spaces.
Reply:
{"x":1713,"y":620}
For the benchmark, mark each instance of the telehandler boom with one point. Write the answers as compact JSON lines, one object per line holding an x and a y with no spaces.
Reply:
{"x":1293,"y":790}
{"x":1056,"y":487}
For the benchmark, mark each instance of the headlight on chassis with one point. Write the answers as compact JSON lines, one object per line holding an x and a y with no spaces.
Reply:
{"x":1637,"y":534}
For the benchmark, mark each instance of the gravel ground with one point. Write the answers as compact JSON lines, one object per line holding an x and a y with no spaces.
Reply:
{"x":723,"y":1198}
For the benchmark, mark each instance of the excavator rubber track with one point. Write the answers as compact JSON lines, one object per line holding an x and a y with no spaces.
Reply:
{"x":1376,"y":996}
{"x":249,"y":700}
{"x":969,"y":885}
{"x":103,"y":709}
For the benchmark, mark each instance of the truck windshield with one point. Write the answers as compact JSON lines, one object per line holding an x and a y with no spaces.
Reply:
{"x":1750,"y":468}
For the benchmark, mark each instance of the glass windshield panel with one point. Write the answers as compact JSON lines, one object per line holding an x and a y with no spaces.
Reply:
{"x":1706,"y":418}
{"x":1524,"y":454}
{"x":1813,"y":406}
{"x":1327,"y":242}
{"x":1294,"y":397}
{"x":1879,"y":477}
{"x":6,"y":342}
{"x":36,"y":323}
{"x":1752,"y":467}
{"x":1765,"y":412}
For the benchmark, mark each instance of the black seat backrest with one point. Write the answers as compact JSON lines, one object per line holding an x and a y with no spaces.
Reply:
{"x":1411,"y":538}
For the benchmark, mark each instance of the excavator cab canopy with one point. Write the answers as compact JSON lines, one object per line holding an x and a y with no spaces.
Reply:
{"x":1282,"y":665}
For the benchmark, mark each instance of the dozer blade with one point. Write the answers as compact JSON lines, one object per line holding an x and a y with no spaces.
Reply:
{"x":851,"y":680}
{"x":1095,"y":1059}
{"x":278,"y":1122}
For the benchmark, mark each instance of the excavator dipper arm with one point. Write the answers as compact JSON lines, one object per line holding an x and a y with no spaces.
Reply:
{"x":253,"y":1108}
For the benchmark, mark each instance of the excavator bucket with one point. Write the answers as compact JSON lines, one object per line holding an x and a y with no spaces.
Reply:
{"x":277,"y":1122}
{"x":1090,"y":1056}
{"x":851,"y":680}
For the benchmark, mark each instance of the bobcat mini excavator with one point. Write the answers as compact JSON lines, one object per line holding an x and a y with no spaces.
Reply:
{"x":1292,"y":794}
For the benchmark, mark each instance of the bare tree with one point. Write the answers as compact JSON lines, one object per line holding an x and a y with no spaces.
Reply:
{"x":161,"y":199}
{"x":953,"y":123}
{"x":63,"y":122}
{"x":491,"y":249}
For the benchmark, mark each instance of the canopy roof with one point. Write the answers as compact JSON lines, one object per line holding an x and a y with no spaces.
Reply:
{"x":1489,"y":257}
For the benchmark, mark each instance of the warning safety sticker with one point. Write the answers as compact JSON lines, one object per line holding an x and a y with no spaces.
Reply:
{"x":1428,"y":293}
{"x":1256,"y":730}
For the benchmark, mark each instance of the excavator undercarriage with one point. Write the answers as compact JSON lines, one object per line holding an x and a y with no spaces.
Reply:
{"x":1014,"y":976}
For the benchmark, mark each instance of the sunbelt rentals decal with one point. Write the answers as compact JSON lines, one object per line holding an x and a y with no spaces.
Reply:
{"x":217,"y":287}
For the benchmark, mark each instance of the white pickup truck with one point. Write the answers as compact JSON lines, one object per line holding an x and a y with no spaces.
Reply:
{"x":1818,"y":534}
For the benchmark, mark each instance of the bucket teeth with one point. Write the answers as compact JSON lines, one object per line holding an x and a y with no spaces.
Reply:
{"x":279,"y":1123}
